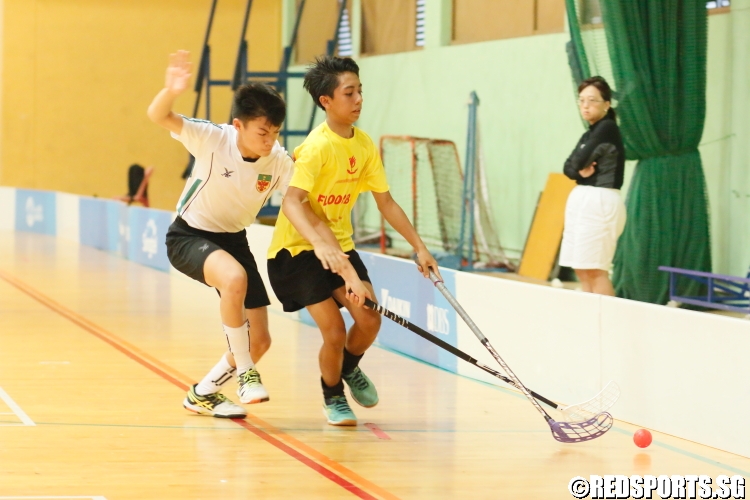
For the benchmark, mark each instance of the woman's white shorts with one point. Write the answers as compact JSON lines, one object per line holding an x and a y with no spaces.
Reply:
{"x":594,"y":220}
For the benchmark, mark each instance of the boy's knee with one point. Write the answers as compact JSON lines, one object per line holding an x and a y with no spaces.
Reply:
{"x":335,"y":339}
{"x":235,"y":282}
{"x":370,"y":322}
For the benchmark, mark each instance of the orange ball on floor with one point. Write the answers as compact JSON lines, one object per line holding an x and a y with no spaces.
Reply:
{"x":642,"y":438}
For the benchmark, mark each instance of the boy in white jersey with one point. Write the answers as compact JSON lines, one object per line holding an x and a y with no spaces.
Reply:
{"x":312,"y":262}
{"x":237,"y":167}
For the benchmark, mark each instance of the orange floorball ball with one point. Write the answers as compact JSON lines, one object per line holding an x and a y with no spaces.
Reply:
{"x":642,"y":438}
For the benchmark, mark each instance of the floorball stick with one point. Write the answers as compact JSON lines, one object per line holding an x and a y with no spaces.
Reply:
{"x":565,"y":432}
{"x":602,"y":401}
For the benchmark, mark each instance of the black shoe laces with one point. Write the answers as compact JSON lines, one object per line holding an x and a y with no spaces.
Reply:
{"x":358,"y":380}
{"x":339,"y":402}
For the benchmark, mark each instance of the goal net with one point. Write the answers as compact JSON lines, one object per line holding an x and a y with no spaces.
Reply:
{"x":426,"y":180}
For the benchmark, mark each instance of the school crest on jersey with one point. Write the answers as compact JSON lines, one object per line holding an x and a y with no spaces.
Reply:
{"x":352,"y":166}
{"x":263,"y":183}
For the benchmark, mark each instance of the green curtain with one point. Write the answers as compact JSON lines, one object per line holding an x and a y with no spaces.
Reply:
{"x":657,"y":50}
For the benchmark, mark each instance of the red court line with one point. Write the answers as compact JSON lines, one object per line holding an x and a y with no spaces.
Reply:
{"x":380,"y":433}
{"x":305,"y":460}
{"x":152,"y":365}
{"x":122,"y":346}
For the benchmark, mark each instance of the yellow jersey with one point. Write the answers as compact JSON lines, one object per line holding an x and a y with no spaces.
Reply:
{"x":333,"y":170}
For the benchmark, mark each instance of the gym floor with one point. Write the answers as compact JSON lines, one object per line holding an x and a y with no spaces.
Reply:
{"x":96,"y":353}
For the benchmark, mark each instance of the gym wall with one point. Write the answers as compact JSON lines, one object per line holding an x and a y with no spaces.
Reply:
{"x":79,"y":76}
{"x":529,"y":120}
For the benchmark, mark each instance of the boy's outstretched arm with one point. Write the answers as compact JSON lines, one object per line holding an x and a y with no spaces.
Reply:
{"x":396,"y":217}
{"x":175,"y":83}
{"x":324,"y":242}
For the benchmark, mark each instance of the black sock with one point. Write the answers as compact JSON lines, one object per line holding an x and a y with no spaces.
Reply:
{"x":350,"y":362}
{"x":336,"y":390}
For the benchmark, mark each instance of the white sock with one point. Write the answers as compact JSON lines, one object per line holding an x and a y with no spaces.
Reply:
{"x":239,"y":345}
{"x":219,"y":375}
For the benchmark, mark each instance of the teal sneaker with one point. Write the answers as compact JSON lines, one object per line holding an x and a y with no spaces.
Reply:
{"x":337,"y":411}
{"x":361,"y":387}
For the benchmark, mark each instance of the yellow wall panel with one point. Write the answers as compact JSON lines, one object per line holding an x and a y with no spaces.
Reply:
{"x":316,"y":28}
{"x":550,"y":16}
{"x":18,"y":82}
{"x":388,"y":26}
{"x":480,"y":20}
{"x":546,"y":230}
{"x":79,"y":75}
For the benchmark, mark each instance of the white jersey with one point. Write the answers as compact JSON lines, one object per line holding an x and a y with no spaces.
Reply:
{"x":224,"y":192}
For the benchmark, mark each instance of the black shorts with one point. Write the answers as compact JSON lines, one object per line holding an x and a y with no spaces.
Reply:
{"x":188,"y":248}
{"x":302,"y":281}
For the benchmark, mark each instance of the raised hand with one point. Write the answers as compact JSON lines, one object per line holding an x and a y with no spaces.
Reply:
{"x":178,"y":72}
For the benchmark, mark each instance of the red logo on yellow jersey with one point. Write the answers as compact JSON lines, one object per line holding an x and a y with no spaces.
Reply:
{"x":352,"y":166}
{"x":333,"y":199}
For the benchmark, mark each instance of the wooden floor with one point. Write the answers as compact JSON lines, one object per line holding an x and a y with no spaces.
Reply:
{"x":96,"y":353}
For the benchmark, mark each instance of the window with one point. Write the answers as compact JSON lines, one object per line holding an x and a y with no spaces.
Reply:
{"x":420,"y":23}
{"x":591,"y":12}
{"x":345,"y":35}
{"x":717,"y":4}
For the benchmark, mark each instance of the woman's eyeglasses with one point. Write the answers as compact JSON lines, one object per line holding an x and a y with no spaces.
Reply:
{"x":581,"y":102}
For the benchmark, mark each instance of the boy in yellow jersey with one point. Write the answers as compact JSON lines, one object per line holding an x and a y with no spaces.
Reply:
{"x":312,"y":262}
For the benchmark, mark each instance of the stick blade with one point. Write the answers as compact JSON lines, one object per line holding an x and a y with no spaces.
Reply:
{"x":578,"y":432}
{"x":603,"y":401}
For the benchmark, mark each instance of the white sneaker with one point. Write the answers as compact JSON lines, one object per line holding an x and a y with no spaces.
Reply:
{"x":216,"y":405}
{"x":251,"y":389}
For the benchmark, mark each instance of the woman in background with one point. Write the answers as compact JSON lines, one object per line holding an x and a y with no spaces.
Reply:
{"x":595,"y":212}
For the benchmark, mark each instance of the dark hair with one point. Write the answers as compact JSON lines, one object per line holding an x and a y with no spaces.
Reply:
{"x":258,"y":100}
{"x":322,"y":76}
{"x":603,"y":87}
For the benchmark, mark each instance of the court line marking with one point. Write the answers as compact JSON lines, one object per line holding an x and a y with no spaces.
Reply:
{"x":377,"y":431}
{"x":131,"y":351}
{"x":179,"y":380}
{"x":297,"y":429}
{"x":16,"y":410}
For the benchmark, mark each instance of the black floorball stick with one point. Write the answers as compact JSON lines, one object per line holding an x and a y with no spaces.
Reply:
{"x":607,"y":397}
{"x":445,"y":345}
